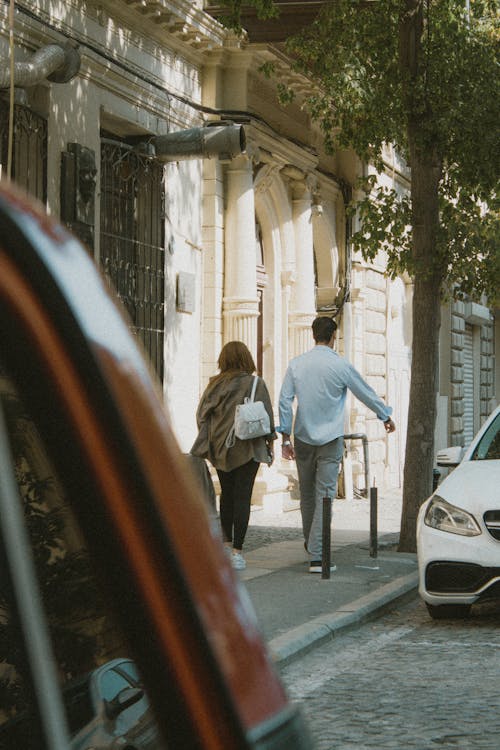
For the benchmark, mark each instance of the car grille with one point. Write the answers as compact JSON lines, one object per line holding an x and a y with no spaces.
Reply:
{"x":492,"y":521}
{"x":456,"y":577}
{"x":492,"y":592}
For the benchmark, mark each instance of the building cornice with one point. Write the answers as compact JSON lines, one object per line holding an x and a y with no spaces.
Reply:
{"x":183,"y":19}
{"x":299,"y":83}
{"x":281,"y":149}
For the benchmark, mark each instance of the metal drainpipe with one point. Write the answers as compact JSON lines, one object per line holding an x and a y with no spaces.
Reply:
{"x":223,"y":141}
{"x":54,"y":62}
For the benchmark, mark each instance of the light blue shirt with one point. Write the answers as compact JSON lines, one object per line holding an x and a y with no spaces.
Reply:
{"x":319,"y":380}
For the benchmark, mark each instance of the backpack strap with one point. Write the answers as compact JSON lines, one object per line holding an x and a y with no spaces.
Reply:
{"x":254,"y":387}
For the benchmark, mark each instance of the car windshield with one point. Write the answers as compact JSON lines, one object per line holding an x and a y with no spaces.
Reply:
{"x":488,"y":447}
{"x":83,"y":632}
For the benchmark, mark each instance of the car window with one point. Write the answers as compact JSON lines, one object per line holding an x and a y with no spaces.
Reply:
{"x":130,"y":670}
{"x":83,"y":631}
{"x":488,"y":447}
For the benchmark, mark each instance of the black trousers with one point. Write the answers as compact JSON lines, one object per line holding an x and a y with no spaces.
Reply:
{"x":236,"y":494}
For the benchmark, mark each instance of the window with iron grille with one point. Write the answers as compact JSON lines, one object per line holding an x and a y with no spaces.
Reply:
{"x":132,"y":240}
{"x":29,"y":154}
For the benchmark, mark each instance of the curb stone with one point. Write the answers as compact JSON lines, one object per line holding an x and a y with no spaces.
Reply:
{"x":296,"y":642}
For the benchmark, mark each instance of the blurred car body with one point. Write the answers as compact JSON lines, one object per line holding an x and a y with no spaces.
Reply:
{"x":107,"y":543}
{"x":458,"y":528}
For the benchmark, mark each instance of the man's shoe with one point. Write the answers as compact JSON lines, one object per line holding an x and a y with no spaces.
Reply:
{"x":238,"y":561}
{"x":315,"y":566}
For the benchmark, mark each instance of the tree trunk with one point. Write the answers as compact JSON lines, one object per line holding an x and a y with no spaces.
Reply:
{"x":425,"y":176}
{"x":419,"y":460}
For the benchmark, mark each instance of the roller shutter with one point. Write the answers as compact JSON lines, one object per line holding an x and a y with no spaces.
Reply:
{"x":468,"y":373}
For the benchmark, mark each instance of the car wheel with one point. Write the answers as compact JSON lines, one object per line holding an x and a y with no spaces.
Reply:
{"x":448,"y":611}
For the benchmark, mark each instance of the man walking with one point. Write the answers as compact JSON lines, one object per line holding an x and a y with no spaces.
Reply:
{"x":319,"y":380}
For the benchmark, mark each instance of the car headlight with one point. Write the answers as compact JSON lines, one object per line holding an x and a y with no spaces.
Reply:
{"x":446,"y":517}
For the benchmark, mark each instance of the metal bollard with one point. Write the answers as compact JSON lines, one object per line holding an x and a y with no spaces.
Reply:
{"x":326,"y":537}
{"x":373,"y":521}
{"x":435,"y":479}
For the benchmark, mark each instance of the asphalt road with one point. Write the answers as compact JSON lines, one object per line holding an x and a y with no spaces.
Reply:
{"x":404,"y":682}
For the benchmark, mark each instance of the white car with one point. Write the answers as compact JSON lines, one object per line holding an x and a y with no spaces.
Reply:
{"x":458,"y":528}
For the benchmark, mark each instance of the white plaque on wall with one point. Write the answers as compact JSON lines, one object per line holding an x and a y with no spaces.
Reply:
{"x":185,"y":292}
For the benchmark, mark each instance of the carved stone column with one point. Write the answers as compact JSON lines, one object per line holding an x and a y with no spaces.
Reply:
{"x":240,"y":303}
{"x":303,"y":307}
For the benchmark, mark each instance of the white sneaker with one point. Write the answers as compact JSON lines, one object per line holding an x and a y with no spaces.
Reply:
{"x":238,"y":561}
{"x":316,"y":566}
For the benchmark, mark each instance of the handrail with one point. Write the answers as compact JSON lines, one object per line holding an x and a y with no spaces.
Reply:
{"x":363,"y":437}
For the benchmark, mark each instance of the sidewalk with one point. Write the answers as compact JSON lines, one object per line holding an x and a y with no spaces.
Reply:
{"x":296,"y":609}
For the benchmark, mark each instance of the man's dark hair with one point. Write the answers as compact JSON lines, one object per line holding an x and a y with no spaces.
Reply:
{"x":323,"y":329}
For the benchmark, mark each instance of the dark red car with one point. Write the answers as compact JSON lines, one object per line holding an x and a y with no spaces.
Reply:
{"x":108,"y":548}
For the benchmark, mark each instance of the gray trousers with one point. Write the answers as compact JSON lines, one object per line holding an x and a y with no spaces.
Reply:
{"x":318,"y":469}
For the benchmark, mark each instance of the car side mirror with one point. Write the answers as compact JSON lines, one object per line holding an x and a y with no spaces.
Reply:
{"x":449,"y":457}
{"x":123,"y":700}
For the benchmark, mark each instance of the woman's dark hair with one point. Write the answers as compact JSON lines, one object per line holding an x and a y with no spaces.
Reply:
{"x":323,"y":329}
{"x":235,"y":357}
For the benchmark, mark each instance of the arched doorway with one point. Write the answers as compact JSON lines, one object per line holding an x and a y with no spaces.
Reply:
{"x":261,"y":285}
{"x":326,"y":261}
{"x":398,"y":371}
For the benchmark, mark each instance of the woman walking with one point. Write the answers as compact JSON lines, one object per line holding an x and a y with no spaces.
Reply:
{"x":238,"y":462}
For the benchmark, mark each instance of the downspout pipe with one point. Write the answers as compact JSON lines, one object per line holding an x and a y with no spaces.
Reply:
{"x":56,"y":63}
{"x":222,"y":141}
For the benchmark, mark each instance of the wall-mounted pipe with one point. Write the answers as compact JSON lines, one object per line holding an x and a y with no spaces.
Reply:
{"x":53,"y":62}
{"x":222,"y":141}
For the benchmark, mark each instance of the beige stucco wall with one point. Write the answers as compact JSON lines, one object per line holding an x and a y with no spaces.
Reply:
{"x":129,"y":72}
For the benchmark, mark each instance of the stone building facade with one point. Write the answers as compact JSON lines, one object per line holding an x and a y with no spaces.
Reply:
{"x":204,"y":250}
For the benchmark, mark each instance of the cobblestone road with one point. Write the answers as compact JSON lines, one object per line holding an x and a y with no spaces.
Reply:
{"x":405,"y":682}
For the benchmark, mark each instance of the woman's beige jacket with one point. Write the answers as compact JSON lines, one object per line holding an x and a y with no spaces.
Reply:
{"x":215,"y":417}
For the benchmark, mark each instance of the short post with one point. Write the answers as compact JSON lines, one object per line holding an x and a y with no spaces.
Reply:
{"x":367,"y":464}
{"x":373,"y":520}
{"x":326,"y":540}
{"x":435,"y":479}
